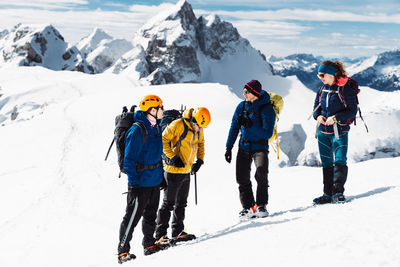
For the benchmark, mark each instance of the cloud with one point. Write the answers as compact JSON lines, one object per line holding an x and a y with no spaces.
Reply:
{"x":279,"y":32}
{"x":269,"y":28}
{"x":44,"y":4}
{"x":309,"y":15}
{"x":74,"y":25}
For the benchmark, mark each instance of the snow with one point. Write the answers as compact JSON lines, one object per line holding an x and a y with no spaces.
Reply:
{"x":62,"y":203}
{"x":89,"y":43}
{"x":362,"y":65}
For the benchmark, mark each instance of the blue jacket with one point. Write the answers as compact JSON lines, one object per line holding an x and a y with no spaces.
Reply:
{"x":147,"y":154}
{"x":332,"y":105}
{"x":262,"y":116}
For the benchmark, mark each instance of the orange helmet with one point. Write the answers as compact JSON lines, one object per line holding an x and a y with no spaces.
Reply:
{"x":150,"y":101}
{"x":202,"y":116}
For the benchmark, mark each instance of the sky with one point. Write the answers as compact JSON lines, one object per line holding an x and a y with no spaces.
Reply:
{"x":337,"y":28}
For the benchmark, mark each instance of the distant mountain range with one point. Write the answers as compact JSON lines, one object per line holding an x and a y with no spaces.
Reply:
{"x":176,"y":47}
{"x":381,"y":72}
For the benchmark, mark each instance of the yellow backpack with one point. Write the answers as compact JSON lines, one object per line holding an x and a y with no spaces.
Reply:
{"x":277,"y":104}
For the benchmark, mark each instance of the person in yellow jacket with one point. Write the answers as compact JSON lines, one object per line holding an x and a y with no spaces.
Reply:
{"x":180,"y":151}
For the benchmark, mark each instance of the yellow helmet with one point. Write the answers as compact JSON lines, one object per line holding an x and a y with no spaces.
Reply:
{"x":202,"y":116}
{"x":150,"y":101}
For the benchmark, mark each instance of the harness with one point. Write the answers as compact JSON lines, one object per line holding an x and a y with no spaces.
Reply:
{"x":139,"y":166}
{"x":340,"y":94}
{"x":247,"y":114}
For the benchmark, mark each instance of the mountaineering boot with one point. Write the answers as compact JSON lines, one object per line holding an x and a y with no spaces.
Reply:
{"x":324,"y":199}
{"x":339,"y":179}
{"x":157,"y":246}
{"x":262,"y":211}
{"x":338,"y":198}
{"x":328,"y":174}
{"x":248,"y":213}
{"x":182,"y":237}
{"x":124,"y":257}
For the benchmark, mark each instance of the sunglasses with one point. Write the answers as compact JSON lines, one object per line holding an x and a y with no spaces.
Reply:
{"x":194,"y":123}
{"x":159,"y":107}
{"x":321,"y":75}
{"x":246,"y":91}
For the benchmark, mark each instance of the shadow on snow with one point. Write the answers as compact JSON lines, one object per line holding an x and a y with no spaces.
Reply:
{"x":244,"y":225}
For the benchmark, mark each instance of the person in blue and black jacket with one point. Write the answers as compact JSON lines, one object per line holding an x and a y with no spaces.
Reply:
{"x":335,"y":106}
{"x":144,"y":168}
{"x":255,"y":119}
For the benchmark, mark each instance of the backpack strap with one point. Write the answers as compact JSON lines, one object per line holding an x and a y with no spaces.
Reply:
{"x":260,"y":109}
{"x":143,"y":130}
{"x":139,"y":166}
{"x":183,"y":135}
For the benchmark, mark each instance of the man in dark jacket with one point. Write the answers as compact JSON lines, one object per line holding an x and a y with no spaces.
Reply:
{"x":143,"y":165}
{"x":255,"y":118}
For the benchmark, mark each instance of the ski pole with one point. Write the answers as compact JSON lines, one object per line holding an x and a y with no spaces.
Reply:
{"x":195,"y":188}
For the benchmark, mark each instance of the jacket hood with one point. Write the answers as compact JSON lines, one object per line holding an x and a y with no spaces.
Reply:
{"x":342,"y":80}
{"x":140,"y":116}
{"x":263,"y":99}
{"x":187,"y":114}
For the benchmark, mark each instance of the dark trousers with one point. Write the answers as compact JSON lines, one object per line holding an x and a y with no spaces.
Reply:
{"x":243,"y":169}
{"x":175,"y":199}
{"x":141,"y":201}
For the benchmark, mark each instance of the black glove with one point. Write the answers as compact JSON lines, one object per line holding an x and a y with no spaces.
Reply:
{"x":163,"y":184}
{"x":177,"y":162}
{"x":228,"y":155}
{"x":244,"y":121}
{"x":196,"y":166}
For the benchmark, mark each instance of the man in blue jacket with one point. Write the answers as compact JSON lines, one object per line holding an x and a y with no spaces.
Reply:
{"x":143,"y":165}
{"x":255,"y":119}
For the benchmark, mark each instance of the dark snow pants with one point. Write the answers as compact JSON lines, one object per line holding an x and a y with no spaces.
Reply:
{"x":175,"y":199}
{"x":243,"y":169}
{"x":141,"y":201}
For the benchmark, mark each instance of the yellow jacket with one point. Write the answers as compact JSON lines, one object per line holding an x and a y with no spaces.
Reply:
{"x":189,"y":148}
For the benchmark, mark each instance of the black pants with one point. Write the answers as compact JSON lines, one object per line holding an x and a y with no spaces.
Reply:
{"x":141,"y":201}
{"x":175,"y":199}
{"x":243,"y":169}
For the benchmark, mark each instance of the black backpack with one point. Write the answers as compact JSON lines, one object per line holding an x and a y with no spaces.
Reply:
{"x":171,"y":115}
{"x":123,"y":122}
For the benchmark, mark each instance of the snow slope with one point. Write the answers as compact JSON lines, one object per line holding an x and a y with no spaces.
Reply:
{"x":61,"y":203}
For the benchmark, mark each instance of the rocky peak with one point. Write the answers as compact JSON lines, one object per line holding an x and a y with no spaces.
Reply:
{"x":383,"y":74}
{"x":92,"y":41}
{"x":217,"y":38}
{"x":169,"y":42}
{"x":178,"y":47}
{"x":390,"y":57}
{"x":184,"y":14}
{"x":40,"y":45}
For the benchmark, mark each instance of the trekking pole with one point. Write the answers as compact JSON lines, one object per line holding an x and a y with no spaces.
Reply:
{"x":108,"y":152}
{"x":195,"y":188}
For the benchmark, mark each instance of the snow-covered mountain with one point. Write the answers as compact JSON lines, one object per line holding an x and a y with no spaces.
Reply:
{"x":40,"y":45}
{"x":303,"y":66}
{"x":101,"y":50}
{"x":381,"y":72}
{"x":176,"y":47}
